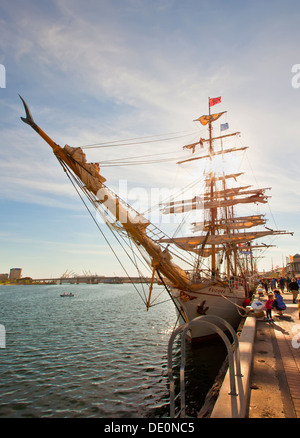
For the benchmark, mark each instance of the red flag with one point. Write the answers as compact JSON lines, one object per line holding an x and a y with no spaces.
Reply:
{"x":214,"y":100}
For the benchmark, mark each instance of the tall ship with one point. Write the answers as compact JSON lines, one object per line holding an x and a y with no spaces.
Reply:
{"x":215,"y":269}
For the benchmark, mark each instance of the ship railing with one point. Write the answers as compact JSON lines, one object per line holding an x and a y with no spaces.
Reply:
{"x":207,"y":275}
{"x":236,"y":281}
{"x":215,"y":323}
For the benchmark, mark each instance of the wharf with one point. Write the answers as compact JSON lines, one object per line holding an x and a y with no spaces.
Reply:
{"x":270,"y":361}
{"x":275,"y":377}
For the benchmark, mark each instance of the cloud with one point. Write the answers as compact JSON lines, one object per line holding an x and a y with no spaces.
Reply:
{"x":108,"y":70}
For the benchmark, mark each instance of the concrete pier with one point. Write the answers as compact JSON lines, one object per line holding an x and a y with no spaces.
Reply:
{"x":270,"y":361}
{"x":275,"y":377}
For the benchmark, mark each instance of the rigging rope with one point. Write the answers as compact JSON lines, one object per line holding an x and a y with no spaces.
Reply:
{"x":237,"y":306}
{"x":74,"y":179}
{"x":139,"y":156}
{"x":132,"y":140}
{"x":114,"y":163}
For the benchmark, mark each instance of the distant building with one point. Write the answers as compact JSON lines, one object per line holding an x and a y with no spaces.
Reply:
{"x":3,"y":278}
{"x":294,"y":266}
{"x":15,"y":274}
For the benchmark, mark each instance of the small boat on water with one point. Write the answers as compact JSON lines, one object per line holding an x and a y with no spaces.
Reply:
{"x":67,"y":295}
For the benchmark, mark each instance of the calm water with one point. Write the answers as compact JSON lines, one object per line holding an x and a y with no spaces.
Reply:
{"x":98,"y":354}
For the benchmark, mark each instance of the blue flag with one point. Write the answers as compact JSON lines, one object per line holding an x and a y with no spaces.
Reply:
{"x":224,"y":126}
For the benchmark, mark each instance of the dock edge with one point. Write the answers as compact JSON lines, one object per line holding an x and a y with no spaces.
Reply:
{"x":223,"y":405}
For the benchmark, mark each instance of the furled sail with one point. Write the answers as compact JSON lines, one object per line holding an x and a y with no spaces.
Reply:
{"x":201,"y":202}
{"x":234,"y":223}
{"x":219,"y":239}
{"x":203,"y":140}
{"x":225,"y":151}
{"x":90,"y":172}
{"x":222,"y":177}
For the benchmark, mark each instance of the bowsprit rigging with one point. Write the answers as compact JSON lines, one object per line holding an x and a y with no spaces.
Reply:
{"x":141,"y":159}
{"x":222,"y":237}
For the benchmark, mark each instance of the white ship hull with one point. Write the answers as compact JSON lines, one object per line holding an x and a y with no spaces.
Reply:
{"x":210,"y":300}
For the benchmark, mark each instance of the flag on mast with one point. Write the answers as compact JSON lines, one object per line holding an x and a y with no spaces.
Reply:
{"x":214,"y":100}
{"x":224,"y":126}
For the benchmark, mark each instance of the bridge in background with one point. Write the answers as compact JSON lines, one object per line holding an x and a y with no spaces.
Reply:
{"x":93,"y":279}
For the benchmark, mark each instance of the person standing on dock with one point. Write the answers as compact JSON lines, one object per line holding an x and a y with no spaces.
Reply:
{"x":294,"y":288}
{"x":268,"y":306}
{"x":273,"y":283}
{"x":266,"y":285}
{"x":281,"y":284}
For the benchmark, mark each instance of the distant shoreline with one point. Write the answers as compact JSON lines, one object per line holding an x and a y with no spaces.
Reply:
{"x":76,"y":280}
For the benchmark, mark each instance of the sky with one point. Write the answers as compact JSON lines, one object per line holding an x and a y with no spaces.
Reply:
{"x":103,"y":71}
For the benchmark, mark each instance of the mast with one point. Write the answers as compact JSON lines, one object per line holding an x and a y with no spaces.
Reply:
{"x":227,"y":250}
{"x":213,"y":210}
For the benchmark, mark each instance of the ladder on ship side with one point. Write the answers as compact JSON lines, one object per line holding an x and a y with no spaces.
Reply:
{"x":236,"y":385}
